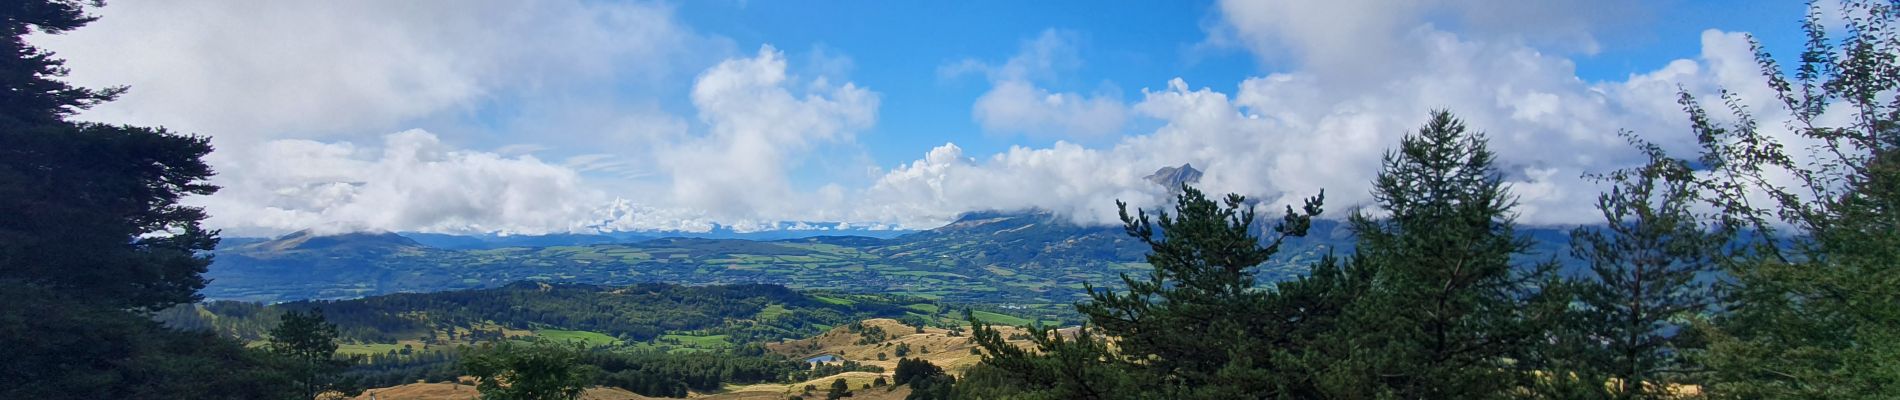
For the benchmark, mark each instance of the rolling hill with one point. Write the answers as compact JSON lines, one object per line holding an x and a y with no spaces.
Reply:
{"x":1033,"y":260}
{"x":726,"y":341}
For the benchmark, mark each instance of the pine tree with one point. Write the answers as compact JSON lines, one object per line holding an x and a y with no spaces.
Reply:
{"x":36,"y":97}
{"x":1650,"y":265}
{"x":309,"y":343}
{"x":95,"y":237}
{"x":94,"y":210}
{"x":1443,"y":317}
{"x":1196,"y":326}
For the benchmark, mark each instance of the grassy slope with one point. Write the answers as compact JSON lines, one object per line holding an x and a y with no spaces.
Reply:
{"x":587,"y":337}
{"x":950,"y":352}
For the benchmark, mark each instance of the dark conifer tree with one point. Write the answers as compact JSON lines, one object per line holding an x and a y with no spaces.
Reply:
{"x":308,"y":344}
{"x":1196,"y":326}
{"x":94,"y":237}
{"x":1443,"y":317}
{"x":1650,"y":266}
{"x":94,"y":210}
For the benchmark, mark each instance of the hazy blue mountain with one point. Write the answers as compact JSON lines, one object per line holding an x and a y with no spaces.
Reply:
{"x":464,"y":242}
{"x":639,"y":312}
{"x":787,"y":230}
{"x":1034,"y":259}
{"x":783,"y":230}
{"x":231,"y":242}
{"x":310,"y":241}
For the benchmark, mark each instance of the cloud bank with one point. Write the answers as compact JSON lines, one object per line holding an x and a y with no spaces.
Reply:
{"x":302,"y":100}
{"x":355,"y":69}
{"x":1286,"y":136}
{"x":410,"y":182}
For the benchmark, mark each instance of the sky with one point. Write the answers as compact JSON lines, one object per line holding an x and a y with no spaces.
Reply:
{"x":492,"y":116}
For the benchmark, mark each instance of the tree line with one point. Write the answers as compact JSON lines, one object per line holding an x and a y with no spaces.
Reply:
{"x":1760,"y":266}
{"x":637,"y":313}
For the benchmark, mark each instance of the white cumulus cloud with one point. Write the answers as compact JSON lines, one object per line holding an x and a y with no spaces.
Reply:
{"x":300,"y":99}
{"x":351,"y":69}
{"x":1016,"y":104}
{"x":410,"y":181}
{"x":759,"y":119}
{"x":1286,"y":136}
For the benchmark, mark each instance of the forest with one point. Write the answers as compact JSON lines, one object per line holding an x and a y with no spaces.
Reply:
{"x":1751,"y":269}
{"x":636,"y":313}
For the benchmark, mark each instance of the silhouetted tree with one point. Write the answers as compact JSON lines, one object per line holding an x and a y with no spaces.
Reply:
{"x":95,"y":237}
{"x":94,"y":209}
{"x":308,"y":342}
{"x":1443,"y":313}
{"x":1187,"y":330}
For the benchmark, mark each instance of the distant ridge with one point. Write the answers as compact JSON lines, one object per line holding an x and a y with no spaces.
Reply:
{"x":483,"y":242}
{"x":308,"y":240}
{"x":1033,"y":258}
{"x":978,"y":220}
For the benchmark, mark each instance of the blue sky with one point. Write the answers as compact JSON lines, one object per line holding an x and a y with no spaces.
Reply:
{"x":585,"y":115}
{"x":898,"y":47}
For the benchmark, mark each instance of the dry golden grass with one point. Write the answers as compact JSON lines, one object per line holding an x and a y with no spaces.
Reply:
{"x":777,"y":392}
{"x":950,"y":352}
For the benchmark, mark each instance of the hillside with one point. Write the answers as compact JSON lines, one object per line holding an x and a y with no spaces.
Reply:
{"x":858,"y":342}
{"x":653,"y":339}
{"x":660,"y":315}
{"x":307,"y":242}
{"x":944,"y":347}
{"x":476,"y":242}
{"x":1033,"y":260}
{"x":650,"y":339}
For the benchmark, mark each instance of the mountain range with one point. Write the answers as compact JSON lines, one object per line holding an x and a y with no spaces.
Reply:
{"x":1032,"y":260}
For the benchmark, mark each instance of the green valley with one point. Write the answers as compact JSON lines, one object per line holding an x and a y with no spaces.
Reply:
{"x":1033,"y":260}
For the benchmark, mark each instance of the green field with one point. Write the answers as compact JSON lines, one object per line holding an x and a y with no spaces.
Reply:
{"x":704,"y":342}
{"x":772,"y":312}
{"x":834,"y":300}
{"x":587,"y":337}
{"x":1003,"y":319}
